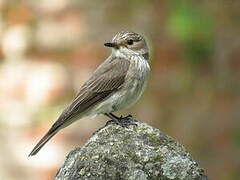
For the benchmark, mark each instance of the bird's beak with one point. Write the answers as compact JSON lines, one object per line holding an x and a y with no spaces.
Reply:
{"x":110,"y":44}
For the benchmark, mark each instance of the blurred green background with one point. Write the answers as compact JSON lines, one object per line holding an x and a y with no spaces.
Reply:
{"x":49,"y":48}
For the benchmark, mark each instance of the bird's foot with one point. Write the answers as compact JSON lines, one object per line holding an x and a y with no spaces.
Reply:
{"x":122,"y":121}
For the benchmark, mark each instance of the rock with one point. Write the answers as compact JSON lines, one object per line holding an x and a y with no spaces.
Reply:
{"x":136,"y":152}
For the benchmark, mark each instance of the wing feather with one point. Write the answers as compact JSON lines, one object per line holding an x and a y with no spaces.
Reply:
{"x":96,"y":89}
{"x":107,"y":79}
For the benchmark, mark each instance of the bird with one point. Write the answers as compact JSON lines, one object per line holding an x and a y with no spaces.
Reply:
{"x":116,"y":84}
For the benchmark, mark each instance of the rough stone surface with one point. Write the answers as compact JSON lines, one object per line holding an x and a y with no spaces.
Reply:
{"x":133,"y":153}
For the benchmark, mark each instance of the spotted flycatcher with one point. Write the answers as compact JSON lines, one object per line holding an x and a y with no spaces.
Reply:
{"x":116,"y":84}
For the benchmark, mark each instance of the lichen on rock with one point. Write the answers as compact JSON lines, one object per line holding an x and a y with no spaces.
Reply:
{"x":136,"y":152}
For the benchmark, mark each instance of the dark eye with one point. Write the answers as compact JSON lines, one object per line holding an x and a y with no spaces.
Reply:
{"x":130,"y":42}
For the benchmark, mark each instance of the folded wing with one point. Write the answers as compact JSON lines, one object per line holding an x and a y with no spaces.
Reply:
{"x":107,"y":79}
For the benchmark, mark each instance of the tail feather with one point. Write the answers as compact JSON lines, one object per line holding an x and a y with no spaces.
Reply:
{"x":42,"y":142}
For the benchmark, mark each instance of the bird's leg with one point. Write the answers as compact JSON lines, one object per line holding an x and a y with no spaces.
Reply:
{"x":127,"y":117}
{"x":113,"y":118}
{"x":122,"y":121}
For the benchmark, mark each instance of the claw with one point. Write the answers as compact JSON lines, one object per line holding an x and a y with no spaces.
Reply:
{"x":122,"y":121}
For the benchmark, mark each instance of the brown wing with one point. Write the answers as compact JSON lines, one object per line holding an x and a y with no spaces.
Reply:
{"x":103,"y":82}
{"x":107,"y":79}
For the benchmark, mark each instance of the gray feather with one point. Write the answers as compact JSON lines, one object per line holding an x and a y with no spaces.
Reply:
{"x":108,"y":78}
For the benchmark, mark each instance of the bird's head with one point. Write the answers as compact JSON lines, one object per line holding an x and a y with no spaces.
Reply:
{"x":126,"y":43}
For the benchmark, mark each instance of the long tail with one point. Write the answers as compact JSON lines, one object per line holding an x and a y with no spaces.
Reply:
{"x":42,"y":142}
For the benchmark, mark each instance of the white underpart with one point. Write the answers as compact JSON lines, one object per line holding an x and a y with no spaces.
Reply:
{"x":135,"y":83}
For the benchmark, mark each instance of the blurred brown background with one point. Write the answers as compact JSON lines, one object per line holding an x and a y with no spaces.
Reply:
{"x":49,"y":48}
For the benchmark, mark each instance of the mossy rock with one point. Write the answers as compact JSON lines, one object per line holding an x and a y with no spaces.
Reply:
{"x":136,"y":152}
